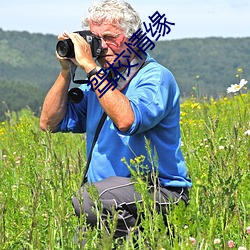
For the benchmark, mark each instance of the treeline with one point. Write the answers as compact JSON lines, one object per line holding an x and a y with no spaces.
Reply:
{"x":204,"y":67}
{"x":209,"y":64}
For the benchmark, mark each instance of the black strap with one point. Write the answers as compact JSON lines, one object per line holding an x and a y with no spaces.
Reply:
{"x":97,"y":132}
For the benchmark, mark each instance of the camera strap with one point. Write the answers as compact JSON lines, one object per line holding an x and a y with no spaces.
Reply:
{"x":99,"y":127}
{"x":97,"y":132}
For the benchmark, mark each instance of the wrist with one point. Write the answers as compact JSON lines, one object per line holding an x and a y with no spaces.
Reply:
{"x":90,"y":67}
{"x":93,"y":72}
{"x":65,"y":73}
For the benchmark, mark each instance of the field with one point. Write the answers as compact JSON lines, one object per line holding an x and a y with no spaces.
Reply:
{"x":40,"y":172}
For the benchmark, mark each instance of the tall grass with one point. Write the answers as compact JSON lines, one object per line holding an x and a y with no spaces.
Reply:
{"x":40,"y":172}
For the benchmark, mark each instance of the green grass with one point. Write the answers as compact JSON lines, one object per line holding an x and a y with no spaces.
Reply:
{"x":40,"y":172}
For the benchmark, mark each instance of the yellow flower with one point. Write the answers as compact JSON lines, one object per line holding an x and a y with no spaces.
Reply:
{"x":195,"y":105}
{"x":138,"y":160}
{"x":240,"y":70}
{"x":132,"y":162}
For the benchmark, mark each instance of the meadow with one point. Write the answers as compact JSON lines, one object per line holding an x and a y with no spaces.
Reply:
{"x":40,"y":172}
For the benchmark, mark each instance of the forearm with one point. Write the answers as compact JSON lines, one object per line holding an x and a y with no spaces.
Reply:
{"x":117,"y":107}
{"x":55,"y":103}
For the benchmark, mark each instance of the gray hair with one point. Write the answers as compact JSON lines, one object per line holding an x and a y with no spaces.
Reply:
{"x":114,"y":11}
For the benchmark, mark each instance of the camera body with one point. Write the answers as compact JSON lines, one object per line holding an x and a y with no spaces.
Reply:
{"x":65,"y":48}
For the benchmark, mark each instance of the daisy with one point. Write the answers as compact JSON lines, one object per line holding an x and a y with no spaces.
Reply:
{"x":237,"y":87}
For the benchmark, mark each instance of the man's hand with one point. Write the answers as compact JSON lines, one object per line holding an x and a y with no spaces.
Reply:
{"x":83,"y":54}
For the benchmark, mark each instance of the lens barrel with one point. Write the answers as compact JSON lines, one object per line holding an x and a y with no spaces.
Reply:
{"x":75,"y":95}
{"x":65,"y":48}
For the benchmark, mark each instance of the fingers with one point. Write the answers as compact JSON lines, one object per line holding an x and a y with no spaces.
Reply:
{"x":63,"y":36}
{"x":70,"y":35}
{"x":67,"y":35}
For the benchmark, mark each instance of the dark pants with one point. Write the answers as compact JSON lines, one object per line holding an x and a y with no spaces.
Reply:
{"x":119,"y":194}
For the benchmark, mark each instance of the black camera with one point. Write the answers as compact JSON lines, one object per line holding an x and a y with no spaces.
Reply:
{"x":65,"y":48}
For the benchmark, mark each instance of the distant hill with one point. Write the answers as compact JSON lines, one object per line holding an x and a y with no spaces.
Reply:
{"x":210,"y":64}
{"x":28,"y":66}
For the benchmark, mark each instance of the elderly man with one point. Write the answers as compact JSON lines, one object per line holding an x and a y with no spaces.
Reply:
{"x":142,"y":106}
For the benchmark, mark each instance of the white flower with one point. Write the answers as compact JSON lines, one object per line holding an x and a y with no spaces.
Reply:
{"x":192,"y":240}
{"x":237,"y":87}
{"x":242,"y":248}
{"x":248,"y":230}
{"x":217,"y":241}
{"x":22,"y":210}
{"x":246,"y":133}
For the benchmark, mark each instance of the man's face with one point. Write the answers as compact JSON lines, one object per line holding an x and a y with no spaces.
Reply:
{"x":113,"y":39}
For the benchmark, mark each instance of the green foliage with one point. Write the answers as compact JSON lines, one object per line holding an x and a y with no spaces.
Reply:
{"x":14,"y":95}
{"x":28,"y":68}
{"x":208,"y":62}
{"x":36,"y":184}
{"x":28,"y":58}
{"x":40,"y":172}
{"x":204,"y":67}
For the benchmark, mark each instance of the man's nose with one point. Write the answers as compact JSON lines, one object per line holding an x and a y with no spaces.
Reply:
{"x":104,"y":44}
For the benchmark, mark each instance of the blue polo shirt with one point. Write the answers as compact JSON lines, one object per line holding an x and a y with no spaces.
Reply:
{"x":154,"y":97}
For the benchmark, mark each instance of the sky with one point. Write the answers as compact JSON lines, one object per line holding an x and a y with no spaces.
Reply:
{"x":192,"y":18}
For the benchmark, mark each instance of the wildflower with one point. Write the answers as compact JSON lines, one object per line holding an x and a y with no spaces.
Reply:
{"x":237,"y":87}
{"x":132,"y":162}
{"x":221,"y":147}
{"x":22,"y":210}
{"x":137,"y":159}
{"x":247,"y":133}
{"x":248,"y":230}
{"x":14,"y":188}
{"x":240,"y":70}
{"x":242,"y":248}
{"x":192,"y":240}
{"x":45,"y":216}
{"x":216,"y":241}
{"x":195,"y":106}
{"x":230,"y":244}
{"x":198,"y":182}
